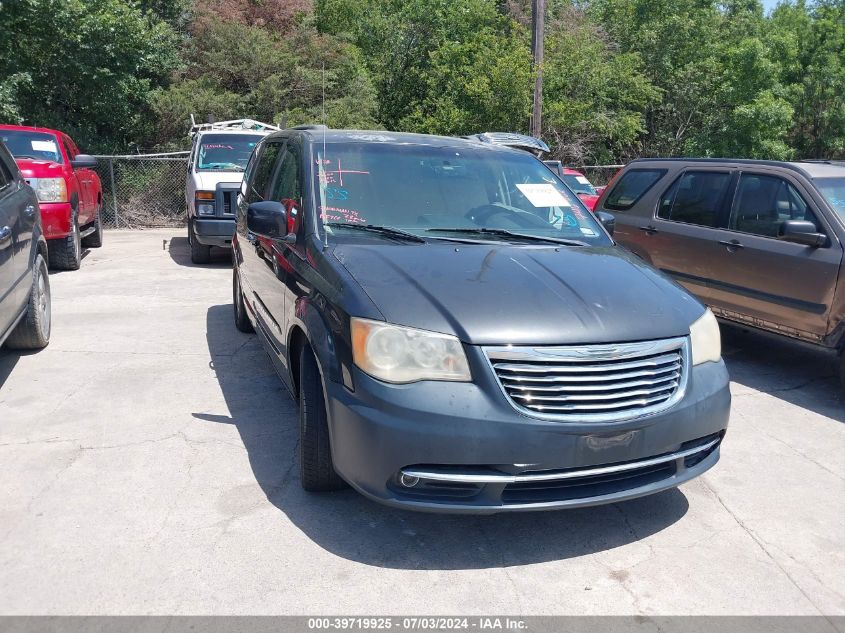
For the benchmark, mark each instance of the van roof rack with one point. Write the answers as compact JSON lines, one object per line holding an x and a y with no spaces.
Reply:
{"x":512,"y":139}
{"x":233,"y":125}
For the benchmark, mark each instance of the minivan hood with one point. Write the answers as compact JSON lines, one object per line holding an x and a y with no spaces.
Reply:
{"x":39,"y":168}
{"x":520,"y":295}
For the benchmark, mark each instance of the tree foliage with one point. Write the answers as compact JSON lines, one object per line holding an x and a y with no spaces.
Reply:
{"x":622,"y":77}
{"x":86,"y":66}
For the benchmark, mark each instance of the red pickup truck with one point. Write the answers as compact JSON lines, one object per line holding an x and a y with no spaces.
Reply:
{"x":69,"y":192}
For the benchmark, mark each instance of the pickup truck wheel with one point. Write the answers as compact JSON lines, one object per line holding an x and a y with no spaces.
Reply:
{"x":95,"y":240}
{"x":33,"y":332}
{"x":66,"y":253}
{"x":316,"y":470}
{"x":242,"y":321}
{"x":200,"y":254}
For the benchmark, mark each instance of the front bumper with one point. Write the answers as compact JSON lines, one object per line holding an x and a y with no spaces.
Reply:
{"x":450,"y":430}
{"x":214,"y":231}
{"x":55,"y":218}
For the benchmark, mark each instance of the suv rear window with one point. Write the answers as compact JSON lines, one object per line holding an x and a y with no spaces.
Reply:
{"x":631,"y":187}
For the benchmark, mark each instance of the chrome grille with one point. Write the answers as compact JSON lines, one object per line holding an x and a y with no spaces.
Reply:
{"x":592,"y":382}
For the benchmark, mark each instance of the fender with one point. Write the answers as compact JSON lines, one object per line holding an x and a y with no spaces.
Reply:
{"x":308,"y":316}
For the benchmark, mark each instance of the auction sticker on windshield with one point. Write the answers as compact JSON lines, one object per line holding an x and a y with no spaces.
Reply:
{"x":44,"y":146}
{"x":543,"y":195}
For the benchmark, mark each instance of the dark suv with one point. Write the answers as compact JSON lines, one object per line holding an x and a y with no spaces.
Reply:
{"x":24,"y":284}
{"x":461,"y":334}
{"x":760,"y":242}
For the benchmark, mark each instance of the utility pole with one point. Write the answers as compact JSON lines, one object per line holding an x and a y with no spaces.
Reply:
{"x":538,"y":20}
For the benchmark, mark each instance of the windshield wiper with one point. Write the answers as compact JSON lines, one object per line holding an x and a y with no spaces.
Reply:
{"x":384,"y":230}
{"x":506,"y":233}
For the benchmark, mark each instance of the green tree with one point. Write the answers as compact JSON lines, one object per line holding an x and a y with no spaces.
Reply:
{"x":90,"y":66}
{"x":453,"y":66}
{"x":809,"y":43}
{"x":594,"y":96}
{"x":234,"y":70}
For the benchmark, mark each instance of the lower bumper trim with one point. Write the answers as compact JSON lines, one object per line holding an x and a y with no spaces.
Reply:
{"x":488,"y":477}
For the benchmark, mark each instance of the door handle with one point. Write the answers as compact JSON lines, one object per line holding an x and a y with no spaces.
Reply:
{"x":5,"y":234}
{"x":29,"y":211}
{"x":731,"y":244}
{"x":649,"y":229}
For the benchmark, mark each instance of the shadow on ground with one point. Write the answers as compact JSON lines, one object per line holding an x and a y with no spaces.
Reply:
{"x":180,"y":252}
{"x":348,"y":525}
{"x":800,"y":375}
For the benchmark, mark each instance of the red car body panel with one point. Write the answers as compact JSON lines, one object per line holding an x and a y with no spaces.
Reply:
{"x":84,"y":190}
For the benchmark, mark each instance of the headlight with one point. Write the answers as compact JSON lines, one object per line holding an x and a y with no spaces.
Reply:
{"x":51,"y":190}
{"x":706,"y":340}
{"x":204,"y":208}
{"x":400,"y":354}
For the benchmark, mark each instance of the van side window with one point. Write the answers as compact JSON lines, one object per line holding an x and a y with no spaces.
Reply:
{"x":631,"y":187}
{"x":695,"y":198}
{"x":762,"y":203}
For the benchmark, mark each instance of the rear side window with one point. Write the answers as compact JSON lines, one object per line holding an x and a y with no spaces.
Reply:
{"x":631,"y":187}
{"x":695,"y":198}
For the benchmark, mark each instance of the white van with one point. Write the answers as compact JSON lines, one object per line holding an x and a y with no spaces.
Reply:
{"x":219,"y":154}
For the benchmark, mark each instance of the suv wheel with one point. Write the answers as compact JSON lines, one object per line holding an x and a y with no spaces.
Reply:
{"x":95,"y":240}
{"x":200,"y":254}
{"x":66,"y":253}
{"x":842,"y":374}
{"x":33,"y":332}
{"x":316,"y":470}
{"x":242,"y":321}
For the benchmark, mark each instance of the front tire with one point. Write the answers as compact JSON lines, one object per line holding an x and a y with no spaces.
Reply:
{"x":65,"y":253}
{"x":95,"y":240}
{"x":242,"y":321}
{"x":842,"y":375}
{"x":33,"y":332}
{"x":200,"y":253}
{"x":316,"y":469}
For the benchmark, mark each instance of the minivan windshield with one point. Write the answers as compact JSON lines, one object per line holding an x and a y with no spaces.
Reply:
{"x":29,"y":144}
{"x":833,"y":189}
{"x":225,"y":152}
{"x":435,"y":191}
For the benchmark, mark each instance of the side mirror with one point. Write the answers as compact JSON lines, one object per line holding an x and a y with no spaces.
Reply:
{"x":608,"y":221}
{"x":801,"y":232}
{"x":267,"y":218}
{"x":82,"y":161}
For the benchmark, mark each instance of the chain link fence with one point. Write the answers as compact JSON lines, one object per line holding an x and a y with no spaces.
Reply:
{"x":143,"y":191}
{"x":599,"y":175}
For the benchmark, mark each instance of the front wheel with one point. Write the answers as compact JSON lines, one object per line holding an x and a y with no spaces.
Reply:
{"x":316,"y":469}
{"x":242,"y":321}
{"x":65,"y":253}
{"x":842,"y":375}
{"x":200,"y":253}
{"x":33,"y":332}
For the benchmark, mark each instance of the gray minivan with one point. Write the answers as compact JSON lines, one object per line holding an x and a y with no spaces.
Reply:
{"x":760,"y":242}
{"x":461,"y":334}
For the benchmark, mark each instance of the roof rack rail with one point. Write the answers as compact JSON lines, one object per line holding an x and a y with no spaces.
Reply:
{"x":235,"y":124}
{"x":310,"y":126}
{"x":824,"y":161}
{"x":512,"y":139}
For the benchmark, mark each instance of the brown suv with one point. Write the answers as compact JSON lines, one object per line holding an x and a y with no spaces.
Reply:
{"x":761,"y":242}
